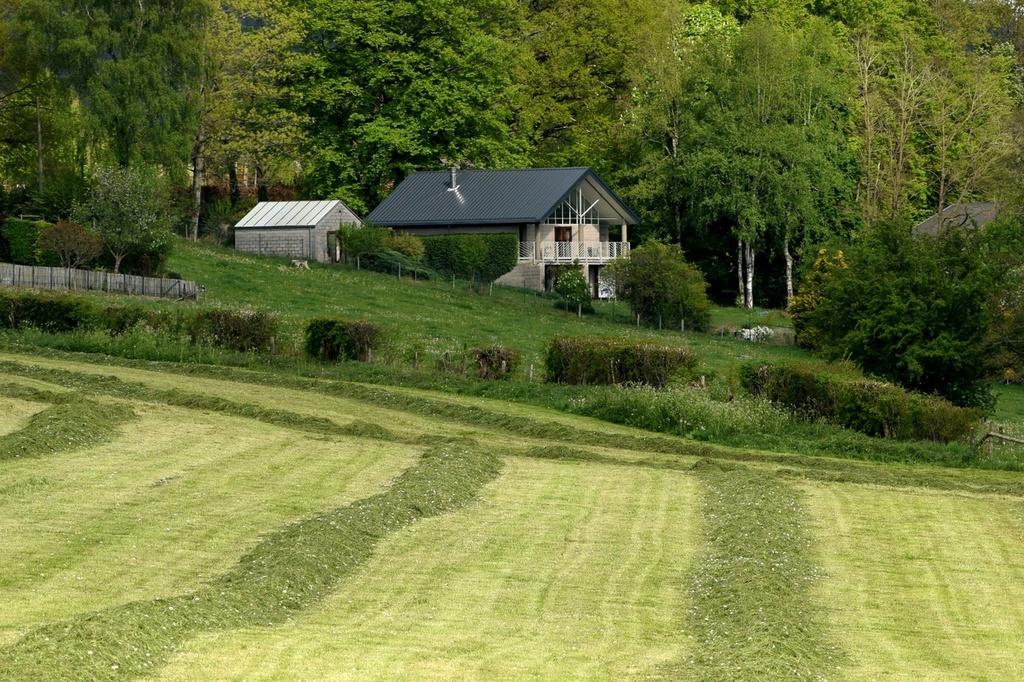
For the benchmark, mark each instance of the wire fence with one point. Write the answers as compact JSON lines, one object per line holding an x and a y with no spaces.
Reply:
{"x":70,"y":279}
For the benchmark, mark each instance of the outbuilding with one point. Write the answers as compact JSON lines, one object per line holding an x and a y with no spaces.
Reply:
{"x":293,"y":229}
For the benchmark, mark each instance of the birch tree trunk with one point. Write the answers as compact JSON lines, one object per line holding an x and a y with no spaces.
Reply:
{"x":789,"y":271}
{"x":198,"y":174}
{"x":739,"y":274}
{"x":749,"y":255}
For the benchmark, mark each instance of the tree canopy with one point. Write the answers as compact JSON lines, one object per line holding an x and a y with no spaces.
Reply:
{"x":748,"y":133}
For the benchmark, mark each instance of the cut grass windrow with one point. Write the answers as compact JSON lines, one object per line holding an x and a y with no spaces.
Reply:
{"x":793,"y":466}
{"x":470,"y":415}
{"x":70,"y":423}
{"x":288,"y":571}
{"x":751,"y":611}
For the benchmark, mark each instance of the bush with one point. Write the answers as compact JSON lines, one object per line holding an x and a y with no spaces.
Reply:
{"x":497,"y":361}
{"x":239,"y":330}
{"x":871,"y":407}
{"x":73,"y":245}
{"x":408,"y":245}
{"x":662,"y":287}
{"x":355,"y":241}
{"x":914,"y":310}
{"x":334,"y":339}
{"x":582,"y":360}
{"x":22,"y":240}
{"x":472,"y":256}
{"x":54,"y":313}
{"x":574,"y":287}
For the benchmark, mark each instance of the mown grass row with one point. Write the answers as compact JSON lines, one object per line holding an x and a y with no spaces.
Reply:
{"x":717,"y":415}
{"x":396,"y":400}
{"x":799,"y":466}
{"x":751,"y":610}
{"x":288,"y":571}
{"x":70,"y":423}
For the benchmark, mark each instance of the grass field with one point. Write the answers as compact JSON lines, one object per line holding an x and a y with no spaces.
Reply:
{"x":215,"y":534}
{"x":181,"y":512}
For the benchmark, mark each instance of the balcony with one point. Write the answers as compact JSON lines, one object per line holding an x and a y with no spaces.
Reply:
{"x":569,"y":251}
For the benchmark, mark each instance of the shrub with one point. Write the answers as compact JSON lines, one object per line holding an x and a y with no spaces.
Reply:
{"x":914,"y":310}
{"x":497,"y":361}
{"x":54,"y":313}
{"x":334,"y":339}
{"x":22,"y":239}
{"x":328,"y":339}
{"x":662,"y":287}
{"x":355,"y":241}
{"x":582,"y":360}
{"x":409,"y":245}
{"x":239,"y":330}
{"x":73,"y":245}
{"x":871,"y":407}
{"x":472,"y":256}
{"x":574,"y":287}
{"x":367,"y":336}
{"x":120,"y":319}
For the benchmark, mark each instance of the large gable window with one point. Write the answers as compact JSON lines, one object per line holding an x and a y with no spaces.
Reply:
{"x":579,"y":208}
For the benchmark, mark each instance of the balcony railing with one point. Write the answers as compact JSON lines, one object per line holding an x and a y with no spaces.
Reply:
{"x":527,"y":250}
{"x":582,"y":251}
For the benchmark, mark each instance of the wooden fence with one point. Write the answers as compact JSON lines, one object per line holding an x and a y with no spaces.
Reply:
{"x":38,"y":277}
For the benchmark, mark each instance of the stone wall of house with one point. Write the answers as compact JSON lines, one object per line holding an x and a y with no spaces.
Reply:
{"x":282,"y":243}
{"x":525,"y":274}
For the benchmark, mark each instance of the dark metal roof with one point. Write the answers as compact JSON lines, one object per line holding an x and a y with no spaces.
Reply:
{"x":960,"y":215}
{"x":489,"y":197}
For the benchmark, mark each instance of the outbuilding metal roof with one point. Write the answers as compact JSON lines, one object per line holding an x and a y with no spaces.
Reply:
{"x":960,"y":215}
{"x":287,"y":213}
{"x":490,"y":197}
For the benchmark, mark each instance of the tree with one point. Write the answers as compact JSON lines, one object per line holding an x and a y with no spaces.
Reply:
{"x":392,"y":86}
{"x":911,"y":309}
{"x":661,"y":286}
{"x":748,"y":124}
{"x":73,"y":244}
{"x":126,"y":209}
{"x":573,"y":285}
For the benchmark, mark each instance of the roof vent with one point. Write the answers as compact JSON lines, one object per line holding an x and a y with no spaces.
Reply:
{"x":453,"y":185}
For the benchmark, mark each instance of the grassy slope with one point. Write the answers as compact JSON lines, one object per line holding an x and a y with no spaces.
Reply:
{"x":569,"y":570}
{"x":431,"y":316}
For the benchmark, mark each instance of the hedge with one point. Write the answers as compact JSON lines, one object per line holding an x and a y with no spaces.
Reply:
{"x":55,"y":313}
{"x":585,"y":360}
{"x":871,"y":407}
{"x":239,"y":330}
{"x":243,"y":331}
{"x":469,"y":256}
{"x":335,"y":339}
{"x":21,"y":239}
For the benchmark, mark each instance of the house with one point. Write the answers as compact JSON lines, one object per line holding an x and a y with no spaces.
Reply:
{"x":560,"y":215}
{"x":961,"y":215}
{"x":294,"y":229}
